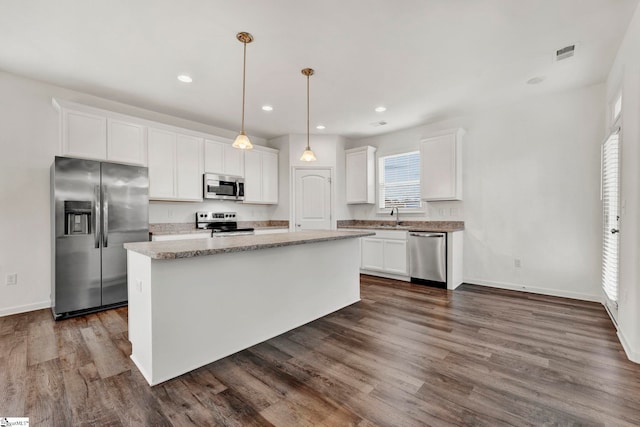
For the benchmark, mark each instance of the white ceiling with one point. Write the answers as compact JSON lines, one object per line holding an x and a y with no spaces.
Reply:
{"x":422,"y":59}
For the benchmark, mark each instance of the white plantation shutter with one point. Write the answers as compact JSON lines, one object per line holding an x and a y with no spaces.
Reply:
{"x":399,"y":180}
{"x":611,"y":212}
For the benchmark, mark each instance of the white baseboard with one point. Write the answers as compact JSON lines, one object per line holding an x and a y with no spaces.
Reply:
{"x":535,"y":290}
{"x":385,"y":275}
{"x":633,"y":356}
{"x":24,"y":308}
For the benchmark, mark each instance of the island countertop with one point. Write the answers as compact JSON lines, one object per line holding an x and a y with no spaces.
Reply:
{"x":217,"y":245}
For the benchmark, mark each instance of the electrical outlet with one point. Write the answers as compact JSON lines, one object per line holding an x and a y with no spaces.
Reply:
{"x":12,"y":279}
{"x":517,"y":263}
{"x":170,"y":213}
{"x":139,"y":285}
{"x":453,"y":211}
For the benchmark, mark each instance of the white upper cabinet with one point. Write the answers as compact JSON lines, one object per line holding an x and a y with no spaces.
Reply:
{"x":221,"y":158}
{"x":189,"y":167}
{"x":441,"y":166}
{"x":84,"y":135}
{"x":90,"y":133}
{"x":261,"y":176}
{"x":126,"y":142}
{"x":360,"y":175}
{"x":175,"y":166}
{"x":162,"y":164}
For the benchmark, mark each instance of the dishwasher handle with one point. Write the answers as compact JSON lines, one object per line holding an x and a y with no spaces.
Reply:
{"x":436,"y":235}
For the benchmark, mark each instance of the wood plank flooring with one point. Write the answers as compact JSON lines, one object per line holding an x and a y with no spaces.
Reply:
{"x":406,"y":355}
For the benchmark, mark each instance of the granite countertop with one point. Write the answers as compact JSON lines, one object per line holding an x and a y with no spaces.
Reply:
{"x":440,"y":226}
{"x":201,"y":247}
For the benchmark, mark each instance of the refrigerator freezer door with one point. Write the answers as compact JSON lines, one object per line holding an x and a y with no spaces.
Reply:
{"x":125,"y":218}
{"x":76,"y":229}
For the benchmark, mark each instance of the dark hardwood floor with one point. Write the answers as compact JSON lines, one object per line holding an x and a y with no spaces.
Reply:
{"x":405,"y":355}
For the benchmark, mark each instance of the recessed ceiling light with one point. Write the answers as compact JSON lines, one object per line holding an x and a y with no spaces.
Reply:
{"x":267,"y":108}
{"x":381,"y":109}
{"x":185,"y":78}
{"x":536,"y":80}
{"x":320,"y":127}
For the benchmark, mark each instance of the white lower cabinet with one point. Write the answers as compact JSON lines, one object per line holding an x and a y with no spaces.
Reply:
{"x":372,"y":253}
{"x":386,"y":252}
{"x":395,"y":256}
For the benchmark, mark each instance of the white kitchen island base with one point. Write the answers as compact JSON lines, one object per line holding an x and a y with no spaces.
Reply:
{"x":187,"y":312}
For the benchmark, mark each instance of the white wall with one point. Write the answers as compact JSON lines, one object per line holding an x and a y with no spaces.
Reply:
{"x":329,"y":151}
{"x":28,"y":143}
{"x":625,"y":76}
{"x":531,"y":191}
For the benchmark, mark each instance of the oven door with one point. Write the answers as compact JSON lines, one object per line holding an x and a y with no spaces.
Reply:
{"x":217,"y":187}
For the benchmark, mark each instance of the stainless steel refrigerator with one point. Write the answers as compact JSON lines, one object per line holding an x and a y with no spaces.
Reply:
{"x":96,"y":208}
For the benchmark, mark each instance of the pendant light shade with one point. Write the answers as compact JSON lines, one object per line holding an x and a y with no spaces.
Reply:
{"x":308,"y":155}
{"x":242,"y":141}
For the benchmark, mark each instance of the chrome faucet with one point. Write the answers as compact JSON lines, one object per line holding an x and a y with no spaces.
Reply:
{"x":397,"y":215}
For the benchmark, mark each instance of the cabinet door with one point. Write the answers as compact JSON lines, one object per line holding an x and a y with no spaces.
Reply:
{"x":84,"y":135}
{"x":372,"y":254}
{"x":253,"y":177}
{"x":162,"y":160}
{"x":233,"y":160}
{"x":356,"y":170}
{"x":269,"y":178}
{"x":189,"y":167}
{"x":214,"y":156}
{"x":441,"y":177}
{"x":126,"y":142}
{"x":395,"y":256}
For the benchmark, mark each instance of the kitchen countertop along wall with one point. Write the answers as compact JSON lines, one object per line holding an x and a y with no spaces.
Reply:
{"x":164,"y":228}
{"x":439,"y":226}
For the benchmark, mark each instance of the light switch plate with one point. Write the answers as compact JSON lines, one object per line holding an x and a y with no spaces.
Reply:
{"x":12,"y":279}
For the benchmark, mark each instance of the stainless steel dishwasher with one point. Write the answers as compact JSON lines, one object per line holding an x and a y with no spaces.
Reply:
{"x":428,"y":258}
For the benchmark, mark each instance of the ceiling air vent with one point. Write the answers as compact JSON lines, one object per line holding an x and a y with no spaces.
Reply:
{"x":565,"y":52}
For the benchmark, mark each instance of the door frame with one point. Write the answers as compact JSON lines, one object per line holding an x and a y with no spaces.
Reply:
{"x":292,"y":191}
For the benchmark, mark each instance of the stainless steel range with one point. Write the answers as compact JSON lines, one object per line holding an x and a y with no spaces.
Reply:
{"x":221,"y":224}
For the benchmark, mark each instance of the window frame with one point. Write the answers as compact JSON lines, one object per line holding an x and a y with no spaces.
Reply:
{"x":379,"y":157}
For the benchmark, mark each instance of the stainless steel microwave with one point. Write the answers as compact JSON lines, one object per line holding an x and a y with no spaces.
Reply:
{"x":223,"y":187}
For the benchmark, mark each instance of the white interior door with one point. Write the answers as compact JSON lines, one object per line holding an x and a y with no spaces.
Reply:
{"x":313,"y":199}
{"x":611,"y":216}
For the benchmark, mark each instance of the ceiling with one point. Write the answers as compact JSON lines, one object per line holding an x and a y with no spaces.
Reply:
{"x":421,"y":59}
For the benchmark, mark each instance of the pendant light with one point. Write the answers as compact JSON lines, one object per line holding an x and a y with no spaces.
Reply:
{"x":308,"y":155}
{"x":242,"y":141}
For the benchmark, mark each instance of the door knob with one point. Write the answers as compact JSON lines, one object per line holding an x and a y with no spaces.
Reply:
{"x":614,"y":231}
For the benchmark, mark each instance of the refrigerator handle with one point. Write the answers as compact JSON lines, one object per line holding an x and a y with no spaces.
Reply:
{"x":105,"y":228}
{"x":96,"y":216}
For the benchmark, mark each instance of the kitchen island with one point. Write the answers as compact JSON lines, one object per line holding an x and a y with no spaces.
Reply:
{"x":192,"y":302}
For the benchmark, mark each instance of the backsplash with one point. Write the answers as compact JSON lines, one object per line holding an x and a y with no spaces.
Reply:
{"x":184,"y":212}
{"x":186,"y":227}
{"x":433,"y":211}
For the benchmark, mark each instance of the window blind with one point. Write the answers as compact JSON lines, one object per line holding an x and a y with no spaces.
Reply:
{"x":399,"y":180}
{"x":611,"y":212}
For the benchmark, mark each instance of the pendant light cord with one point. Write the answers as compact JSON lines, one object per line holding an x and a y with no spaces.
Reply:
{"x":244,"y":73}
{"x":308,"y":147}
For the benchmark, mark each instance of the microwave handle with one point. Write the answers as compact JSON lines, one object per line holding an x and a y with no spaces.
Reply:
{"x":239,"y":189}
